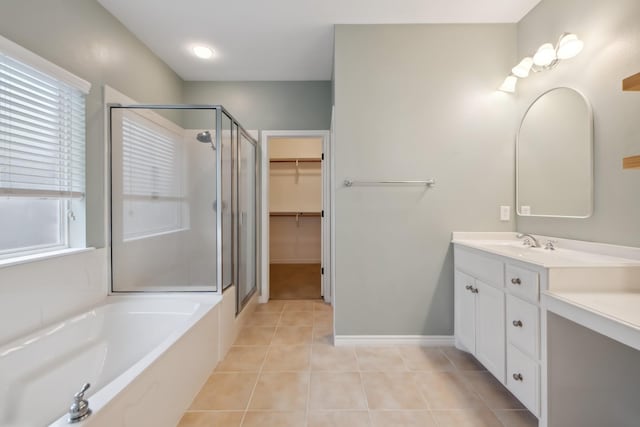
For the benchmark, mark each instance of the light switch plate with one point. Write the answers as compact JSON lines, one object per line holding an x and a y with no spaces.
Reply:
{"x":525,"y":210}
{"x":505,"y":213}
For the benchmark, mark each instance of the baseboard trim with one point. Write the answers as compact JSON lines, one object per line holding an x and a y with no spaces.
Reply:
{"x":382,"y":340}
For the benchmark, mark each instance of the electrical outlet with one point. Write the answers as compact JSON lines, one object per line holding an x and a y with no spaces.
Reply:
{"x":505,"y":213}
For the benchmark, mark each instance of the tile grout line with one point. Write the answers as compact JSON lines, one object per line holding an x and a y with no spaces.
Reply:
{"x":419,"y":385}
{"x":308,"y":406}
{"x":253,"y":390}
{"x":473,"y":390}
{"x":431,"y":411}
{"x":364,"y":391}
{"x":444,"y":353}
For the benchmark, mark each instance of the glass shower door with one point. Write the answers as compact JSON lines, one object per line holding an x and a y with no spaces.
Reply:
{"x":247,"y":246}
{"x":163,"y":199}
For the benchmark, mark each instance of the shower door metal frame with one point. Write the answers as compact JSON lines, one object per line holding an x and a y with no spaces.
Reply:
{"x":241,"y":303}
{"x":219,"y":110}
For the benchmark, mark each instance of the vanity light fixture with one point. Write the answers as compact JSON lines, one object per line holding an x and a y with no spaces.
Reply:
{"x":509,"y":84}
{"x":569,"y":46}
{"x":546,"y":57}
{"x":523,"y":68}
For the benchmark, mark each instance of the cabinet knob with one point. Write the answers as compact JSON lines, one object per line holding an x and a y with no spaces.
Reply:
{"x":516,"y":281}
{"x":517,"y":323}
{"x":468,"y":287}
{"x":474,"y":290}
{"x":517,"y":377}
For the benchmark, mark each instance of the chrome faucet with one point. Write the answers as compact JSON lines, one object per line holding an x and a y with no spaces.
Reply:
{"x":529,"y":240}
{"x":79,"y":409}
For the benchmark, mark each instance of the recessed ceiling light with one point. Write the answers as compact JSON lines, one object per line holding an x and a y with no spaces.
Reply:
{"x":203,"y":52}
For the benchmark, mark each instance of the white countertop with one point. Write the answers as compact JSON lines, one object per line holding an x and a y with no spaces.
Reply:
{"x":567,"y":253}
{"x":613,"y":314}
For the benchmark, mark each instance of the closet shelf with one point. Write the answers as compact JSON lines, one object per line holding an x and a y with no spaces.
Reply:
{"x":295,"y":160}
{"x":294,"y":213}
{"x":631,"y":83}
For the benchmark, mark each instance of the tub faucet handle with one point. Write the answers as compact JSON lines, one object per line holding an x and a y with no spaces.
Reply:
{"x":79,"y":409}
{"x":80,"y":395}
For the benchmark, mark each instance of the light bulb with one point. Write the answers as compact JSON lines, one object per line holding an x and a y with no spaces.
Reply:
{"x":569,"y":46}
{"x":522,"y":69}
{"x":545,"y":55}
{"x":202,"y":52}
{"x":509,"y":84}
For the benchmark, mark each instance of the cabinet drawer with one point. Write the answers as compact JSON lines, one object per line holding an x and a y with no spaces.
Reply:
{"x":523,"y":378}
{"x":488,"y":270}
{"x":523,"y":325}
{"x":522,"y":282}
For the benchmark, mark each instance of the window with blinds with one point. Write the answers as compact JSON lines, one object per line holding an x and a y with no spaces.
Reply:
{"x":42,"y":153}
{"x":152,"y":178}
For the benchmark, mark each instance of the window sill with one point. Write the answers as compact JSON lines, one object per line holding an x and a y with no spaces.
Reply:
{"x":8,"y":262}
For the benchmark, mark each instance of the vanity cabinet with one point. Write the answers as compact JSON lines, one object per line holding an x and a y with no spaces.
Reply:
{"x":480,"y":311}
{"x":497,"y":319}
{"x":509,"y":301}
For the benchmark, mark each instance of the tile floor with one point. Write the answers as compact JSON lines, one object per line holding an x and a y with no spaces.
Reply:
{"x":283,"y":371}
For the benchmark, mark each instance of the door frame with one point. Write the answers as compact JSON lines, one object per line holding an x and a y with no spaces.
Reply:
{"x":328,"y":196}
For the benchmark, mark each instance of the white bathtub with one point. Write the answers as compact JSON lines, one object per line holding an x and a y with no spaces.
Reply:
{"x":145,"y":357}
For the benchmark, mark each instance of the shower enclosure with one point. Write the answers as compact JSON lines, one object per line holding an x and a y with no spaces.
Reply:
{"x":183,"y":200}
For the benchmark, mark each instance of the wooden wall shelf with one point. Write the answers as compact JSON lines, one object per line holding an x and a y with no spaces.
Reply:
{"x":631,"y":162}
{"x":631,"y":83}
{"x":294,"y":160}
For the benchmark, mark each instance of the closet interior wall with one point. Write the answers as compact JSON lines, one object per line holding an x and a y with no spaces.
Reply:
{"x":295,"y":201}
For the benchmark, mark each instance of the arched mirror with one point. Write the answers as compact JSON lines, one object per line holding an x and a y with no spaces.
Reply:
{"x":554,"y":156}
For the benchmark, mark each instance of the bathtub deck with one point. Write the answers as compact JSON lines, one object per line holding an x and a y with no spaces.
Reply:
{"x":283,"y":371}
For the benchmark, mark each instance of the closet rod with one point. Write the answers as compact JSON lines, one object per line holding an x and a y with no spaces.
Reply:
{"x":294,"y":213}
{"x":351,"y":183}
{"x":292,"y":160}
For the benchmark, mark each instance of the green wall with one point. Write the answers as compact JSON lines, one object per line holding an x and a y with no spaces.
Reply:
{"x":299,"y":105}
{"x":416,"y":102}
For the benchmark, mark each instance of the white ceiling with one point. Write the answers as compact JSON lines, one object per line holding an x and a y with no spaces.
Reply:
{"x":281,"y":39}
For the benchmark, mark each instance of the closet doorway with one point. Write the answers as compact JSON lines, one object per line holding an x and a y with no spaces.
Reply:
{"x":295,"y":215}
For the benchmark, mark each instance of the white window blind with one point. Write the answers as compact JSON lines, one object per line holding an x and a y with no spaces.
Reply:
{"x":153,"y":177}
{"x":151,"y":159}
{"x":42,"y":134}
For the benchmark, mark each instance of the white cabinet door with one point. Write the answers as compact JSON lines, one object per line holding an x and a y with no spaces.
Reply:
{"x":465,"y":311}
{"x":490,"y":329}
